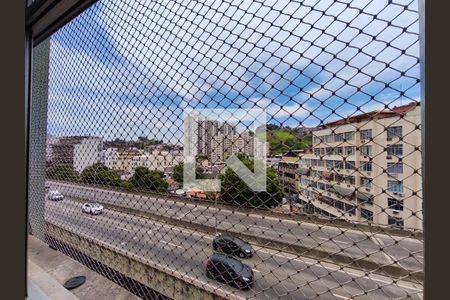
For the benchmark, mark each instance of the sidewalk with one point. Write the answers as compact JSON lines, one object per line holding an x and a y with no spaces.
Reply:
{"x":47,"y":270}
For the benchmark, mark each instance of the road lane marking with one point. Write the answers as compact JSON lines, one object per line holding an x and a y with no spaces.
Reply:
{"x":123,"y":229}
{"x":340,"y":296}
{"x":377,"y":241}
{"x":262,"y":227}
{"x":380,"y":243}
{"x":303,"y":261}
{"x":300,"y":224}
{"x":171,"y":244}
{"x":328,"y":266}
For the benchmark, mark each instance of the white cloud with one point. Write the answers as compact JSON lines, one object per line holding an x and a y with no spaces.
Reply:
{"x":180,"y":54}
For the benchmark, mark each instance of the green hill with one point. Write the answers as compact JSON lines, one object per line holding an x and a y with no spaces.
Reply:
{"x":282,"y":140}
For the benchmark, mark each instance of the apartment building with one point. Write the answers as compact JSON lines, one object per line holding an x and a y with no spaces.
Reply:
{"x":78,"y":151}
{"x":367,"y":169}
{"x":163,"y":161}
{"x":223,"y":146}
{"x":288,"y":173}
{"x":50,"y":142}
{"x":110,"y":157}
{"x":124,"y":162}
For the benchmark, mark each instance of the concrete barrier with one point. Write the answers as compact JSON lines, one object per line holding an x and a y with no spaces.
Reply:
{"x":166,"y":282}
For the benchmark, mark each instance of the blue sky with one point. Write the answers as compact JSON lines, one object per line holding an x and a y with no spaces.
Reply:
{"x":130,"y":68}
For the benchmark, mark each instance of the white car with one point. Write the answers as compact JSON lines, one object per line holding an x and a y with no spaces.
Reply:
{"x":55,"y":195}
{"x":92,"y":208}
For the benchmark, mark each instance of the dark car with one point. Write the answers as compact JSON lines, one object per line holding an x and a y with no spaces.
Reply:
{"x":229,"y":270}
{"x":232,"y":245}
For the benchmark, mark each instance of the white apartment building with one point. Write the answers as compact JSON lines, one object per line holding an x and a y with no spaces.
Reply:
{"x":110,"y":157}
{"x":77,"y":151}
{"x":51,"y":141}
{"x":86,"y":153}
{"x":124,"y":162}
{"x":163,"y":161}
{"x":367,"y":169}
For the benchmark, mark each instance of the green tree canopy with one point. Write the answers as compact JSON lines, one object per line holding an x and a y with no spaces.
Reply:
{"x":62,"y":172}
{"x":148,"y":180}
{"x":100,"y":174}
{"x":236,"y":192}
{"x":179,"y":169}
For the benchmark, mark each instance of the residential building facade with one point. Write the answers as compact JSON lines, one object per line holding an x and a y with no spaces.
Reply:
{"x":163,"y":161}
{"x":78,"y":151}
{"x":110,"y":157}
{"x":367,"y":169}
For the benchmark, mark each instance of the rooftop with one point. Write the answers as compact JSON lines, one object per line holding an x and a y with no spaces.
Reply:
{"x":376,"y":114}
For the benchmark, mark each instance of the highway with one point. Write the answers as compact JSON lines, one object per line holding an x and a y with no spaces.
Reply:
{"x":278,"y":275}
{"x":381,"y":248}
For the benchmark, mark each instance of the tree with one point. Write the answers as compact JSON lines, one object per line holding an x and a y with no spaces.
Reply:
{"x":100,"y":174}
{"x":62,"y":172}
{"x":148,"y":180}
{"x":235,"y":191}
{"x":179,"y":169}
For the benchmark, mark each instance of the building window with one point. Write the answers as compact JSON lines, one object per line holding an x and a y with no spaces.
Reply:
{"x":328,"y":200}
{"x":365,"y":134}
{"x":349,"y":209}
{"x":366,"y":166}
{"x":395,"y":186}
{"x":396,"y":150}
{"x":317,"y":151}
{"x":349,"y":136}
{"x":329,"y":151}
{"x":338,"y":164}
{"x":339,"y":137}
{"x":395,"y":221}
{"x":395,"y":204}
{"x":350,"y":150}
{"x":365,"y":182}
{"x":367,"y":214}
{"x":330,"y":163}
{"x":394,"y":132}
{"x":339,"y":205}
{"x":316,"y":174}
{"x":366,"y":150}
{"x":338,"y":151}
{"x":349,"y":165}
{"x":350,"y":179}
{"x":394,"y":168}
{"x":321,"y":186}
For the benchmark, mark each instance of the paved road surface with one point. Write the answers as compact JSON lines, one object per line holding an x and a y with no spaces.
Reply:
{"x":278,"y":275}
{"x":381,"y":248}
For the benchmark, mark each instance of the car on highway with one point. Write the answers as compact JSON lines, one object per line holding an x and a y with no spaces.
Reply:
{"x":55,"y":195}
{"x":92,"y":208}
{"x":228,"y":269}
{"x":232,"y":245}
